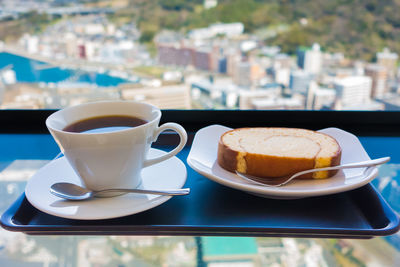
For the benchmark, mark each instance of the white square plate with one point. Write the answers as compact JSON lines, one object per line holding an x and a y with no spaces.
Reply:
{"x":203,"y":159}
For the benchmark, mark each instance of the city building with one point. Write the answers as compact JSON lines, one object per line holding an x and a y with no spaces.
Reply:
{"x":299,"y":81}
{"x":23,"y":96}
{"x":222,"y":66}
{"x":247,"y":97}
{"x":309,"y":97}
{"x":178,"y":54}
{"x":269,"y":51}
{"x":270,"y":98}
{"x":164,"y":97}
{"x":332,"y":59}
{"x":283,"y":103}
{"x":352,"y":91}
{"x":218,"y":92}
{"x":210,"y":3}
{"x":85,"y":39}
{"x":30,"y":43}
{"x":283,"y":61}
{"x":359,"y":68}
{"x":310,"y":59}
{"x":281,"y":76}
{"x":248,"y":45}
{"x":324,"y":98}
{"x":203,"y":52}
{"x":368,"y":106}
{"x":202,"y":58}
{"x":391,"y":101}
{"x":388,"y":60}
{"x":394,"y":86}
{"x":168,"y":54}
{"x":229,"y":30}
{"x":185,"y":54}
{"x":242,"y":251}
{"x":233,"y":58}
{"x":379,"y":76}
{"x":247,"y":73}
{"x":7,"y":75}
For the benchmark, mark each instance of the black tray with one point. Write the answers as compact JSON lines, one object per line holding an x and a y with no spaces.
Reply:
{"x":215,"y":210}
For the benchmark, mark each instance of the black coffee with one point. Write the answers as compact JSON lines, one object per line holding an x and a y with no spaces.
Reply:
{"x":104,"y":124}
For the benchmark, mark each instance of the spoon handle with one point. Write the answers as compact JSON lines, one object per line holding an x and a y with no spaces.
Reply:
{"x":171,"y":192}
{"x":361,"y":164}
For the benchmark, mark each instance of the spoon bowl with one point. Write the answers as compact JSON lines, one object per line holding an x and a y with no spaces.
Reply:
{"x":71,"y":191}
{"x":279,"y":181}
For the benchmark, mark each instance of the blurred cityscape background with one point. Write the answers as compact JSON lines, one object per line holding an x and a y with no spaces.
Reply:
{"x":201,"y":54}
{"x":198,"y":54}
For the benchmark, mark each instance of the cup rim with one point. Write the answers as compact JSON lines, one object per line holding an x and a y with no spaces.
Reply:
{"x":49,"y":118}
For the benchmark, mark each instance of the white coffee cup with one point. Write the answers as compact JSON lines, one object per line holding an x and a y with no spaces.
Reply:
{"x":111,"y":159}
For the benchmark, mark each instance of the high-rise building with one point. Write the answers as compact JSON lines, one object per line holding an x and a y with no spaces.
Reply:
{"x":299,"y":81}
{"x":379,"y":76}
{"x":233,"y":58}
{"x":301,"y":55}
{"x":203,"y":58}
{"x":324,"y":98}
{"x":248,"y":73}
{"x":310,"y":59}
{"x":222,"y":65}
{"x":353,"y":90}
{"x":71,"y":46}
{"x":388,"y":60}
{"x":242,"y":76}
{"x":281,"y":75}
{"x":30,"y":43}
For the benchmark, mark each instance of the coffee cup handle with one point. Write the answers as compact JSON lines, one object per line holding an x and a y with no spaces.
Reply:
{"x":183,"y":139}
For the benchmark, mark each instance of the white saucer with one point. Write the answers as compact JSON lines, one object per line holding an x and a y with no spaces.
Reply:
{"x":169,"y":174}
{"x":203,"y":159}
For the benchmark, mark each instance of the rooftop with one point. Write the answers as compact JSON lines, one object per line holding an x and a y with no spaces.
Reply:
{"x":352,"y":80}
{"x":216,"y":246}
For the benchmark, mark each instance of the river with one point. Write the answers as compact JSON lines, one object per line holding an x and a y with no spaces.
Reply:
{"x":34,"y":71}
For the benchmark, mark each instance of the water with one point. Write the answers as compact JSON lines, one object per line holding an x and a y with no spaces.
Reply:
{"x":34,"y":71}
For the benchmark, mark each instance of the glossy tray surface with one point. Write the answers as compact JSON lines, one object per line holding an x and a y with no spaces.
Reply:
{"x":213,"y":209}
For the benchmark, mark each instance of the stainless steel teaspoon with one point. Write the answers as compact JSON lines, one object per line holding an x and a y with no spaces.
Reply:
{"x":75,"y":192}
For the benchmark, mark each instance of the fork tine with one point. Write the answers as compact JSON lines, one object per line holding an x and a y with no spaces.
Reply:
{"x":286,"y":179}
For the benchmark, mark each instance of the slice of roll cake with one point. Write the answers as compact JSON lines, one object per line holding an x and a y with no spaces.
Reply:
{"x":276,"y":152}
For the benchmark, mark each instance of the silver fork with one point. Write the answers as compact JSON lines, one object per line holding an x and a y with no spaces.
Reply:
{"x":279,"y":181}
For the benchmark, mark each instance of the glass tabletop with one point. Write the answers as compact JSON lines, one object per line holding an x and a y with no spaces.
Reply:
{"x":26,"y":153}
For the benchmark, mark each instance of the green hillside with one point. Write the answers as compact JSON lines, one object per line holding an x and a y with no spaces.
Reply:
{"x":359,"y":28}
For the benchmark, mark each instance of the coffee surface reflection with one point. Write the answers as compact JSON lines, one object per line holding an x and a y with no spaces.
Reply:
{"x":104,"y":124}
